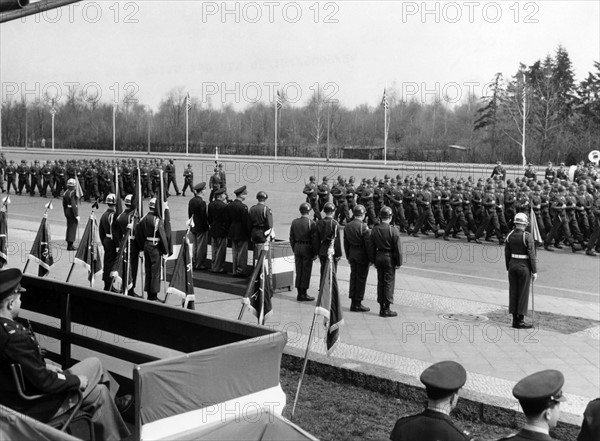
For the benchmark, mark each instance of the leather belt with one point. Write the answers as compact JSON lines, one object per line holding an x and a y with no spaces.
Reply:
{"x":69,"y":206}
{"x":109,"y":235}
{"x":519,"y":256}
{"x":152,"y":240}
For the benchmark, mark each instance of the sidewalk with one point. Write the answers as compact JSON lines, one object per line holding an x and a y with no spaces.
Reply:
{"x":494,"y":355}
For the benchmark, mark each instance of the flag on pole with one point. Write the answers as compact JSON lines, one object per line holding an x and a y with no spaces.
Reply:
{"x":535,"y":229}
{"x":182,"y":282}
{"x":119,"y":205}
{"x":188,"y":102}
{"x":163,"y":210}
{"x":78,"y":189}
{"x":138,"y":200}
{"x":384,"y":100}
{"x":3,"y":238}
{"x":279,"y":101}
{"x":90,"y":253}
{"x":40,"y":250}
{"x":259,"y":291}
{"x":329,"y":306}
{"x":122,"y":279}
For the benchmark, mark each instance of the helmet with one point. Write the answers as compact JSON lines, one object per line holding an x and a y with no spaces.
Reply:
{"x":304,"y":208}
{"x":385,"y":213}
{"x":359,"y":210}
{"x":261,"y":196}
{"x":128,"y":199}
{"x":521,"y":218}
{"x":312,"y":179}
{"x":325,"y":179}
{"x":329,"y":207}
{"x":152,"y":203}
{"x":71,"y":182}
{"x":111,"y":199}
{"x":386,"y":177}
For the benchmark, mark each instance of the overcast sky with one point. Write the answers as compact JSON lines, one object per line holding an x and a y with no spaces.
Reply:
{"x":351,"y":49}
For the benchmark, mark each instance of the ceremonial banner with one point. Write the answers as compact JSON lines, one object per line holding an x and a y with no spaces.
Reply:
{"x":138,"y":199}
{"x":122,"y":279}
{"x":329,"y":306}
{"x":90,"y":252}
{"x":259,"y":292}
{"x":535,"y":230}
{"x":182,"y":282}
{"x":40,"y":250}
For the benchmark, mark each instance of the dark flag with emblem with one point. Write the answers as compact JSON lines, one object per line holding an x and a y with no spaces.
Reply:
{"x":40,"y":250}
{"x":4,"y":232}
{"x":259,"y":291}
{"x":535,"y":229}
{"x":90,"y":252}
{"x":163,"y":211}
{"x":122,"y":279}
{"x":182,"y":282}
{"x":329,"y":306}
{"x":119,"y":205}
{"x":138,"y":200}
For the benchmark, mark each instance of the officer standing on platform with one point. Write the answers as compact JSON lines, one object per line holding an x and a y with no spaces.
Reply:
{"x":239,"y":232}
{"x":386,"y":250}
{"x":218,"y":220}
{"x":151,"y":237}
{"x":198,"y":211}
{"x":105,"y":229}
{"x":357,"y":238}
{"x":539,"y":395}
{"x":521,"y":259}
{"x":261,"y":222}
{"x":328,"y":230}
{"x":302,"y":238}
{"x":71,"y":210}
{"x":442,"y":382}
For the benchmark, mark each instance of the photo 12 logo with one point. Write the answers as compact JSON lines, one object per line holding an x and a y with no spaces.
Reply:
{"x":469,"y":12}
{"x":270,"y":12}
{"x":90,"y":92}
{"x":89,"y":12}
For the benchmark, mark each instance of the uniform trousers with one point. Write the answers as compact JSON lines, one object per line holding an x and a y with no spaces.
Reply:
{"x":200,"y":249}
{"x":71,"y":228}
{"x":386,"y":277}
{"x":110,"y":256}
{"x":519,"y":280}
{"x":303,"y":259}
{"x":152,"y":262}
{"x":239,"y":254}
{"x":219,"y":248}
{"x":358,"y":280}
{"x":98,"y":400}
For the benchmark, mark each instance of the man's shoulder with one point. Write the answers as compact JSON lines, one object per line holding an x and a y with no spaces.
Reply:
{"x":11,"y":331}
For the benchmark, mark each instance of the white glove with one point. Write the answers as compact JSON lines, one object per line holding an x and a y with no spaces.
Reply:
{"x":533,"y":277}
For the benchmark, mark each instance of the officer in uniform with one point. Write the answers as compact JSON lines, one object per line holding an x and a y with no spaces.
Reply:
{"x":48,"y":179}
{"x":521,"y":260}
{"x":261,"y":222}
{"x":188,"y":179}
{"x":197,"y":210}
{"x":171,"y":176}
{"x":71,"y":210}
{"x":442,"y":382}
{"x":540,"y":395}
{"x":11,"y":178}
{"x":590,"y":427}
{"x":386,"y":251}
{"x":151,"y":237}
{"x":550,"y":173}
{"x":105,"y":229}
{"x":19,"y":345}
{"x":562,"y":174}
{"x":34,"y":180}
{"x":328,"y":230}
{"x":239,"y":232}
{"x":125,"y":220}
{"x":530,"y":174}
{"x":302,"y":239}
{"x":312,"y":194}
{"x":499,"y":172}
{"x":214,"y":183}
{"x":218,"y":220}
{"x":357,"y":238}
{"x":324,"y":192}
{"x":23,"y":171}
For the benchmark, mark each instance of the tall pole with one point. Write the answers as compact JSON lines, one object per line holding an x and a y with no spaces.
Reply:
{"x":25,"y":125}
{"x":328,"y":106}
{"x":187,"y":117}
{"x":524,"y":117}
{"x":385,"y":134}
{"x":276,"y":105}
{"x":114,"y":128}
{"x":149,"y":125}
{"x":53,"y":131}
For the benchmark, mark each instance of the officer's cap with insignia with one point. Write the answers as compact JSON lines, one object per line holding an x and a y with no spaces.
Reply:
{"x":443,"y":378}
{"x":241,"y":190}
{"x":540,"y":390}
{"x":200,"y":186}
{"x":10,"y":282}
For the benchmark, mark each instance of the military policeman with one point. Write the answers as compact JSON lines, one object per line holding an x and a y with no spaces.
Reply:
{"x":197,"y":210}
{"x":19,"y":345}
{"x":128,"y":220}
{"x":357,"y":238}
{"x":71,"y":210}
{"x":442,"y":382}
{"x":328,"y":231}
{"x":521,"y":260}
{"x":386,"y":251}
{"x":151,"y":237}
{"x":540,"y":395}
{"x":239,"y":232}
{"x":188,"y":179}
{"x":105,"y":229}
{"x":261,"y":222}
{"x":302,"y":239}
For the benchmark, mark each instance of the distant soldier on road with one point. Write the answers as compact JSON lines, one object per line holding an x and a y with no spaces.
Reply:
{"x":188,"y":179}
{"x":499,"y":172}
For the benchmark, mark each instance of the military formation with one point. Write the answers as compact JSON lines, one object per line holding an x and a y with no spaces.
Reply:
{"x":567,"y":211}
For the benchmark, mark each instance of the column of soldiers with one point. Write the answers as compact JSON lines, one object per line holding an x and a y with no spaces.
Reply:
{"x":566,"y":212}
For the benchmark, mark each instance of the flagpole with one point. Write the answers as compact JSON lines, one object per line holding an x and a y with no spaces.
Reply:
{"x":312,"y":327}
{"x":524,"y":117}
{"x":275,"y":129}
{"x":385,"y":134}
{"x":114,"y":128}
{"x":187,"y":117}
{"x":532,"y":306}
{"x":44,"y":216}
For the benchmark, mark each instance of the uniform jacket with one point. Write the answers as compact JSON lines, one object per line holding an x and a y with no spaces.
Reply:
{"x":70,"y":204}
{"x":261,"y":220}
{"x":429,"y":425}
{"x":105,"y":227}
{"x":302,"y":236}
{"x":528,"y":435}
{"x":218,"y":219}
{"x":357,"y":238}
{"x":239,"y":227}
{"x":327,"y":230}
{"x":18,"y":345}
{"x":151,"y":226}
{"x":198,"y":210}
{"x":520,"y":242}
{"x":386,"y":238}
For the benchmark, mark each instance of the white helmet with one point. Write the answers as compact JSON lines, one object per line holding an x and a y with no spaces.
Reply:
{"x":71,"y":182}
{"x":521,"y":218}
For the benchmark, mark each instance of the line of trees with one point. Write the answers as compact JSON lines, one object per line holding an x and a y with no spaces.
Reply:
{"x":562,"y":122}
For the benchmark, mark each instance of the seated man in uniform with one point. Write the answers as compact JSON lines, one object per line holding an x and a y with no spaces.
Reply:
{"x":442,"y":382}
{"x":18,"y":345}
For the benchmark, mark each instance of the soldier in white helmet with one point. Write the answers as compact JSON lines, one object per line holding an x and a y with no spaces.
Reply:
{"x":71,"y":210}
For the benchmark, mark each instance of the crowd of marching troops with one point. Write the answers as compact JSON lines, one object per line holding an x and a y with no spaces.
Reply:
{"x":566,"y":211}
